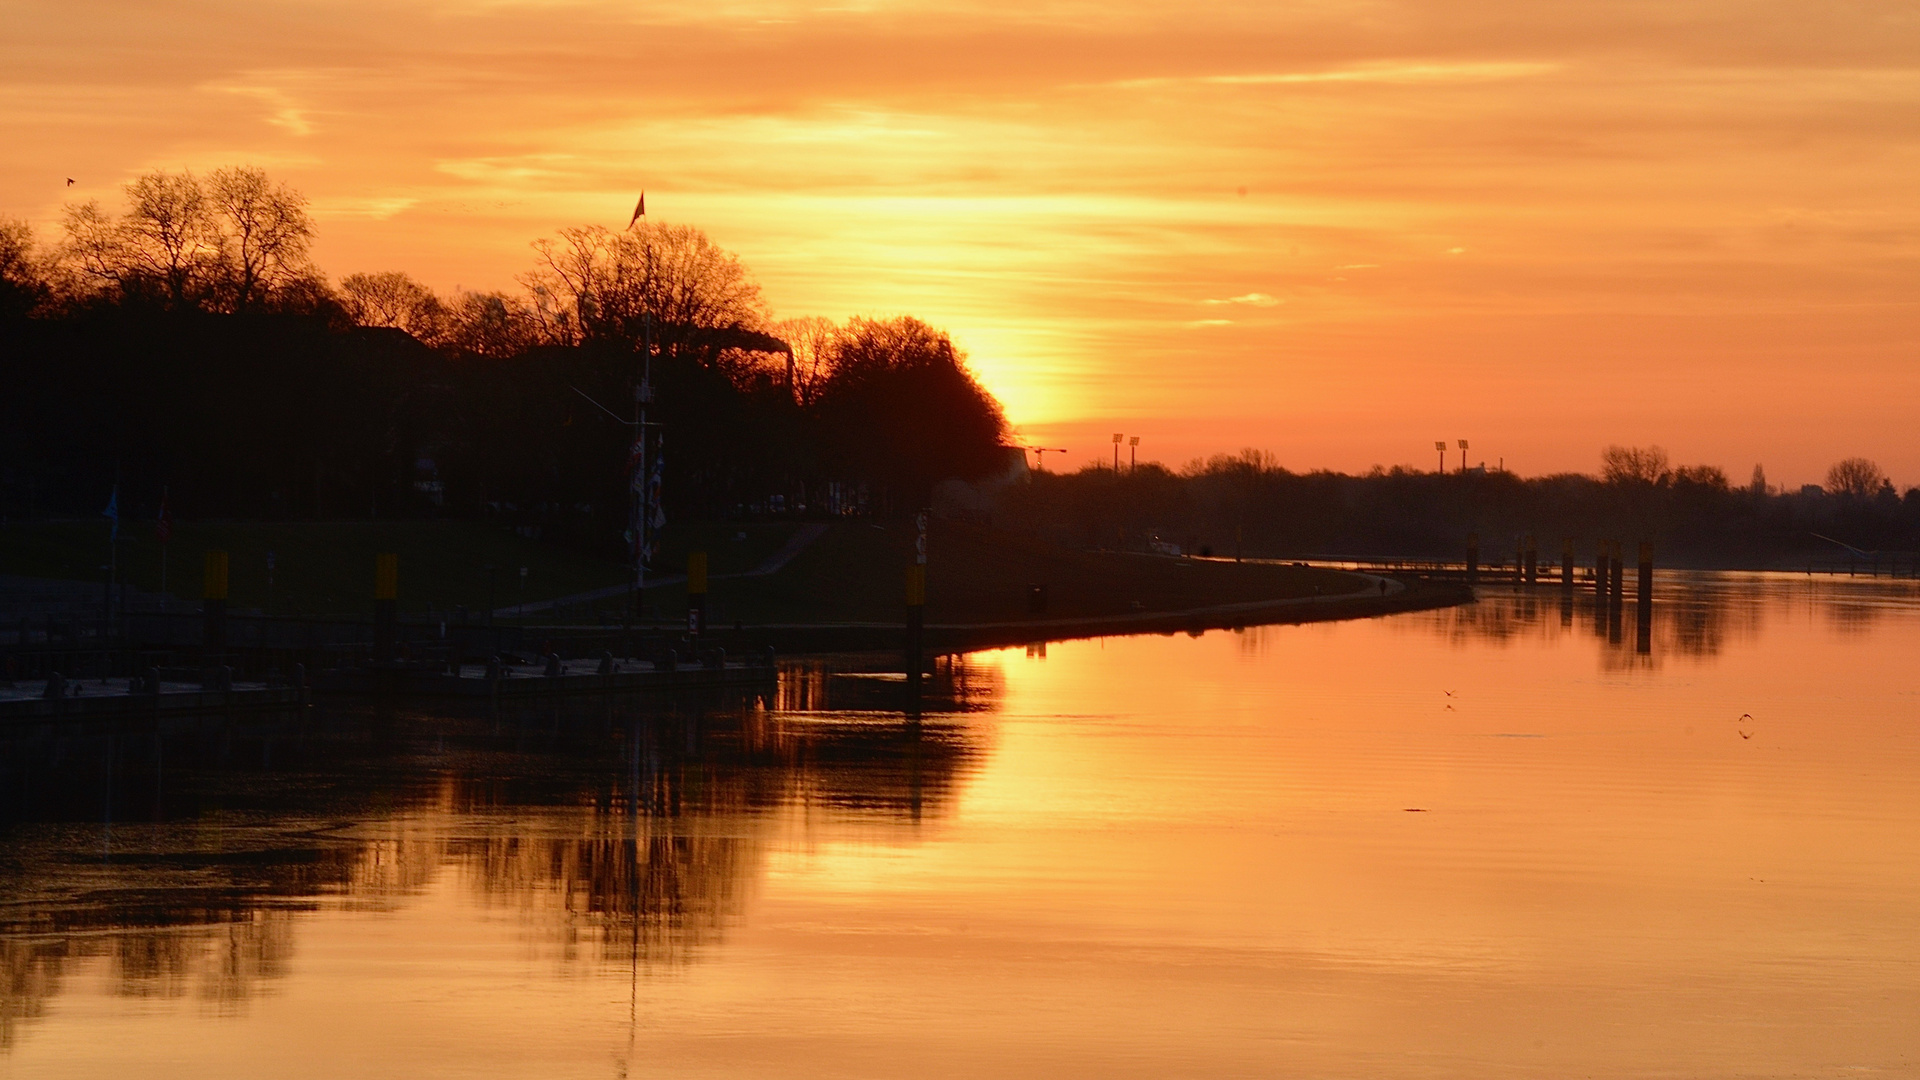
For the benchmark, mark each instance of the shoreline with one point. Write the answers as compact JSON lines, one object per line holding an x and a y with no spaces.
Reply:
{"x":950,"y":638}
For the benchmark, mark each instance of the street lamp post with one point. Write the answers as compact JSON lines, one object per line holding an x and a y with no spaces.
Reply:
{"x":1441,"y":445}
{"x":1463,"y":455}
{"x":1116,"y":452}
{"x":1133,"y":451}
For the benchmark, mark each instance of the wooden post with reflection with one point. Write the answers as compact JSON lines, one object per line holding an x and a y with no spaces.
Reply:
{"x":1473,"y":557}
{"x":1533,"y":560}
{"x":1616,"y":606}
{"x":1643,"y":611}
{"x":1566,"y":565}
{"x":1618,"y":568}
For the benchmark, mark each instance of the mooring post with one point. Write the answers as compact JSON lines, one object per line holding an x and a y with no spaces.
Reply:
{"x":1600,"y":572}
{"x":1473,"y":557}
{"x":1566,"y":565}
{"x":213,"y":594}
{"x":696,"y":592}
{"x":1533,"y":560}
{"x":1643,"y":611}
{"x":1619,"y":574}
{"x":386,"y":591}
{"x":916,"y":610}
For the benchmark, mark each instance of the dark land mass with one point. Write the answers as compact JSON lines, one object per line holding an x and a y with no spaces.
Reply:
{"x":844,"y":589}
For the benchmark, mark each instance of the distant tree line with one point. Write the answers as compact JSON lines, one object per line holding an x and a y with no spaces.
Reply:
{"x":189,"y":344}
{"x":1247,"y":504}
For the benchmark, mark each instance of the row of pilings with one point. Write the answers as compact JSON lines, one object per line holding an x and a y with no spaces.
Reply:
{"x":1606,"y":580}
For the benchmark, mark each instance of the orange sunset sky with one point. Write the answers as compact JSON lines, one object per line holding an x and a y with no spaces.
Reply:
{"x":1333,"y":230}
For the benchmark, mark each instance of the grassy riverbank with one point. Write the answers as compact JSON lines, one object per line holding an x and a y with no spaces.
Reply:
{"x":852,"y":572}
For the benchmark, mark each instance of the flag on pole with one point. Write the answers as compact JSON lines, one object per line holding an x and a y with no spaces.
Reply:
{"x":163,"y":525}
{"x":112,"y":512}
{"x":639,"y":210}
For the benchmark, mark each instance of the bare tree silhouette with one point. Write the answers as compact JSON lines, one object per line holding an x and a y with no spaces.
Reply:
{"x":1855,"y":478}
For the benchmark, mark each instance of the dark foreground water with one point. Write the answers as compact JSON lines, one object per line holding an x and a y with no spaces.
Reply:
{"x":1481,"y":842}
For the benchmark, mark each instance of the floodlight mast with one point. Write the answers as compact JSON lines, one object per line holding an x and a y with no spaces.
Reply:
{"x":1117,"y":436}
{"x":1441,"y":445}
{"x":1463,"y":455}
{"x":1133,"y":452}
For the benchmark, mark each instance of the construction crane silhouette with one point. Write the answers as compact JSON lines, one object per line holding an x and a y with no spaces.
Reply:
{"x":1040,"y":455}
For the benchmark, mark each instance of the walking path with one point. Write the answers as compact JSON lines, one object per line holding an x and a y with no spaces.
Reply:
{"x":803,"y":536}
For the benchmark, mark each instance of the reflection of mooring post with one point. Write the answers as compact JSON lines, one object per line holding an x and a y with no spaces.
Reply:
{"x":696,"y":592}
{"x":1643,"y":613}
{"x":1566,"y":565}
{"x":916,"y":609}
{"x":1600,"y":573}
{"x":386,"y":589}
{"x":1473,"y":557}
{"x":213,"y":592}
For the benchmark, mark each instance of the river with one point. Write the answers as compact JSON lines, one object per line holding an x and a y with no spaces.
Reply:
{"x":1504,"y":839}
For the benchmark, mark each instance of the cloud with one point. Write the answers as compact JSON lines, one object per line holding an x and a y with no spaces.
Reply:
{"x":1252,"y":299}
{"x":283,"y":114}
{"x":1389,"y":72}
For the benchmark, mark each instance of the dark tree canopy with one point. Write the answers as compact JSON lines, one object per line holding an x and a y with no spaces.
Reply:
{"x":187,"y":342}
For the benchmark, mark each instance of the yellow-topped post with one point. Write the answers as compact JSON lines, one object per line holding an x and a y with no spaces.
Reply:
{"x":696,"y":592}
{"x":386,"y":594}
{"x":213,"y":596}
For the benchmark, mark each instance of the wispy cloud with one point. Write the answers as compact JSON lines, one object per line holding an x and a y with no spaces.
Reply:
{"x":1252,"y":299}
{"x":1387,"y":72}
{"x":282,"y":112}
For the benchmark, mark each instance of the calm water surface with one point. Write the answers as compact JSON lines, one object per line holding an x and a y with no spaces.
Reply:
{"x":1497,"y":840}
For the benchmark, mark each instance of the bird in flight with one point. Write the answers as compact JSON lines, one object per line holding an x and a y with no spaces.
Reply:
{"x":69,"y":181}
{"x":639,"y":210}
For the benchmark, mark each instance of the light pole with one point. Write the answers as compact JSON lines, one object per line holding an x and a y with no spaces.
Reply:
{"x":1463,"y":455}
{"x":1441,"y":445}
{"x":1116,"y":452}
{"x":1133,"y":450}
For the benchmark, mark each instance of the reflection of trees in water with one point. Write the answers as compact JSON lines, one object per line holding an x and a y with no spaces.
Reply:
{"x":221,"y":964}
{"x":616,"y":831}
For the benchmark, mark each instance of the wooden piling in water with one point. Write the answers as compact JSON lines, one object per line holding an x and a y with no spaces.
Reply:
{"x":1566,"y":565}
{"x":1618,"y":568}
{"x":1533,"y":560}
{"x":1473,"y":557}
{"x":1643,"y":611}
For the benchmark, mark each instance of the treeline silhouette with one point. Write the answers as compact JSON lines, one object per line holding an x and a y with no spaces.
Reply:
{"x":1247,"y":504}
{"x":189,"y":345}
